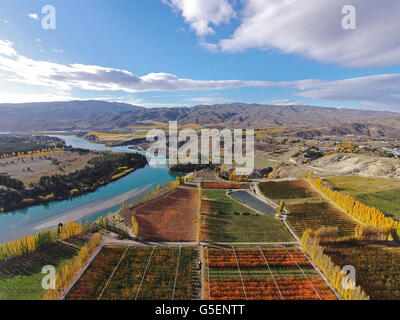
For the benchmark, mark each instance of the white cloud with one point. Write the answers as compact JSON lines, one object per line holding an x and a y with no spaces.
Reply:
{"x":209,"y":100}
{"x":281,"y":102}
{"x":377,"y":91}
{"x":310,"y":28}
{"x":4,"y":21}
{"x":40,"y":97}
{"x":91,"y":77}
{"x":6,"y":48}
{"x":58,"y":50}
{"x":200,"y":14}
{"x":33,"y":16}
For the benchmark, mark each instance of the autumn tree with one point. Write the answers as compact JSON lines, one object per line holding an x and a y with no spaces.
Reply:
{"x":135,"y":226}
{"x":281,"y":207}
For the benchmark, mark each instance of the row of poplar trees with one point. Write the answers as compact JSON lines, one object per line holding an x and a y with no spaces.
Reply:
{"x":331,"y":271}
{"x":27,"y":244}
{"x":68,"y":272}
{"x":369,"y":215}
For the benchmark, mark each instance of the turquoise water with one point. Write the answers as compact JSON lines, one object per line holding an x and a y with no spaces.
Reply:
{"x":29,"y":221}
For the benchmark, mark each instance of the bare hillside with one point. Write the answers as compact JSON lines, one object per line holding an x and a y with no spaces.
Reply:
{"x":355,"y":164}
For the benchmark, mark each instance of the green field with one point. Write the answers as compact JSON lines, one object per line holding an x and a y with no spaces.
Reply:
{"x":220,"y":225}
{"x":288,"y":190}
{"x":380,"y":193}
{"x":357,"y":185}
{"x":262,"y":161}
{"x":21,"y":278}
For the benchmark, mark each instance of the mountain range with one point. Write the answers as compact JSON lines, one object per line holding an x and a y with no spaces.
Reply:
{"x":101,"y":115}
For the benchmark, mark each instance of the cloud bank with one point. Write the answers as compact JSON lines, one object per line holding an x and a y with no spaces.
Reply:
{"x":310,"y":28}
{"x":377,"y":91}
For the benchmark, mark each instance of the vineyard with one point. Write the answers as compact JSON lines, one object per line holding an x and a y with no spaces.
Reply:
{"x":20,"y":278}
{"x":224,"y":185}
{"x":377,"y":267}
{"x":169,"y":218}
{"x":314,"y":215}
{"x":221,"y":224}
{"x":288,"y":190}
{"x":263,"y":274}
{"x":139,"y":273}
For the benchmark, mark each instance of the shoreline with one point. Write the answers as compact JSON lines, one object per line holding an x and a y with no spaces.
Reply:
{"x":90,"y":209}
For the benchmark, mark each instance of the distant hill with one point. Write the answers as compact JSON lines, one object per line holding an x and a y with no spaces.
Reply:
{"x":100,"y":115}
{"x":254,"y":115}
{"x":57,"y":115}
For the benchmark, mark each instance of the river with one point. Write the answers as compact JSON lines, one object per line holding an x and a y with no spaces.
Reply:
{"x":86,"y":207}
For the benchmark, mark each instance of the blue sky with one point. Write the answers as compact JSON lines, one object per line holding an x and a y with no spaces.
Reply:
{"x":188,"y":52}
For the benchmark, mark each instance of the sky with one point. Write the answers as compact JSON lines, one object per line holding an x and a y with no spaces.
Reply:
{"x":168,"y":53}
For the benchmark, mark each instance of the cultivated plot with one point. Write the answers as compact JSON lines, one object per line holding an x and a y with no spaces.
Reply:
{"x":170,"y":218}
{"x":315,"y":215}
{"x":376,"y":265}
{"x":288,"y":190}
{"x":262,"y":274}
{"x":224,"y":185}
{"x":227,"y":220}
{"x":21,"y":278}
{"x":139,"y":273}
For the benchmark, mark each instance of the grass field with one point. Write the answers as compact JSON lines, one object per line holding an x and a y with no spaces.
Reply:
{"x":169,"y":218}
{"x":262,"y":161}
{"x":314,"y":215}
{"x":376,"y":266}
{"x":21,"y":278}
{"x":358,"y":185}
{"x":220,"y":225}
{"x":380,"y":193}
{"x":288,"y":190}
{"x":262,"y":274}
{"x":143,"y":273}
